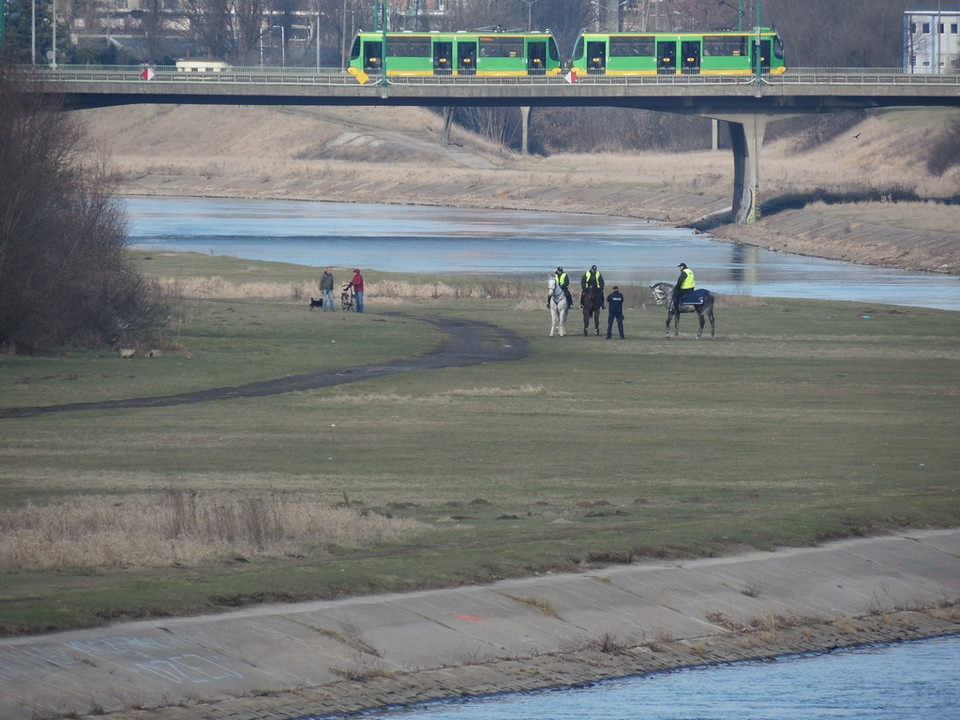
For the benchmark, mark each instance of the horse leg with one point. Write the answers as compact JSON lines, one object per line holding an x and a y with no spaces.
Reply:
{"x":669,"y":318}
{"x":702,"y":320}
{"x":713,"y":324}
{"x":596,"y":323}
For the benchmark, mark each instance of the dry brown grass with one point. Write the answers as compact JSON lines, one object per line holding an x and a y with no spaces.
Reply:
{"x":386,"y":290}
{"x":181,"y":527}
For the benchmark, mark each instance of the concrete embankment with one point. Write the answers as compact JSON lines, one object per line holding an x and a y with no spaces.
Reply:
{"x":339,"y":657}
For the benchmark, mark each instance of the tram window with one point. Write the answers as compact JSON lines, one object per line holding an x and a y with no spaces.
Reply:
{"x":508,"y":47}
{"x":408,"y":47}
{"x":632,"y":47}
{"x":723,"y":46}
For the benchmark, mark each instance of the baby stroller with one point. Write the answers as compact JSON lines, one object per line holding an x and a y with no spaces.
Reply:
{"x":346,"y":297}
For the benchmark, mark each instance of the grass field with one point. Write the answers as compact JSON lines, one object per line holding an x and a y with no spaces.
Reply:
{"x":801,"y":421}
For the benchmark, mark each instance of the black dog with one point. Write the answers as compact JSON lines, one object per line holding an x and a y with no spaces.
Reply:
{"x":315,"y":303}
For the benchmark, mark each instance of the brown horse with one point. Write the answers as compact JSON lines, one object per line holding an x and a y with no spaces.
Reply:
{"x":592,"y":302}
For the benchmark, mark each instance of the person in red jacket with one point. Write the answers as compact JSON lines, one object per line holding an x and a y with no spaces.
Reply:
{"x":357,"y":285}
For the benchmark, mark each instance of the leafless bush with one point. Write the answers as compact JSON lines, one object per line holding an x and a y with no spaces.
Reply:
{"x":63,"y":277}
{"x":945,"y":150}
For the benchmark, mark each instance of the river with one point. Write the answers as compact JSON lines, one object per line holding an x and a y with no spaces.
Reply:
{"x":907,"y":681}
{"x":439,"y":240}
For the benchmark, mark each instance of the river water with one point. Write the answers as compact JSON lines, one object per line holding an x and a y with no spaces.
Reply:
{"x":416,"y":239}
{"x":908,"y":681}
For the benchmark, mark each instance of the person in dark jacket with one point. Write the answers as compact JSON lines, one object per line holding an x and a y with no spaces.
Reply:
{"x":326,"y":287}
{"x":615,"y":305}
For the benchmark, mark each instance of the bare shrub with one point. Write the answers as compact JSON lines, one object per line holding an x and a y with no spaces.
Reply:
{"x":944,"y":152}
{"x":181,"y":527}
{"x":63,"y":277}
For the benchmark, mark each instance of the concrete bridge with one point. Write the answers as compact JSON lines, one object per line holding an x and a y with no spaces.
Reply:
{"x":747,"y":103}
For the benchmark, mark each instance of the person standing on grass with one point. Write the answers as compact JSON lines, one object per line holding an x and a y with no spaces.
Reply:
{"x":357,"y":285}
{"x":615,"y":305}
{"x":326,"y":287}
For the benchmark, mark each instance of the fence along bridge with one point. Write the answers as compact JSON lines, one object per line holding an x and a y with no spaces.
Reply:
{"x":747,"y":103}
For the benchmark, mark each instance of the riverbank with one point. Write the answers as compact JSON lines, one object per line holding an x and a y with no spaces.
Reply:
{"x":335,"y":658}
{"x":394,"y":155}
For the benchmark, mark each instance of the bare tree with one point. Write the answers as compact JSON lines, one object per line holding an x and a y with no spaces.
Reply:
{"x":64,"y":279}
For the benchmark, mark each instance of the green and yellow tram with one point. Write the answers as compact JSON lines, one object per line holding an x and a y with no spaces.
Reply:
{"x":456,"y":53}
{"x":684,"y":53}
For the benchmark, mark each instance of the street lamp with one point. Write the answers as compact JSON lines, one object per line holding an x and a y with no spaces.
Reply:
{"x":529,"y":4}
{"x":739,"y":12}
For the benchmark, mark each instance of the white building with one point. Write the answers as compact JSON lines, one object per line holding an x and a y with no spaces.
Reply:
{"x":931,"y":38}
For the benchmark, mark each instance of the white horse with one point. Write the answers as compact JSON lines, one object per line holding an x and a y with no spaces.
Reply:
{"x":559,"y":308}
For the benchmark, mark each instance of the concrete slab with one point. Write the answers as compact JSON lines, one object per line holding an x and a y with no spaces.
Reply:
{"x":174,"y":662}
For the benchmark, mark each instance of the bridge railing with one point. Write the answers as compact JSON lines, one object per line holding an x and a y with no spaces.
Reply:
{"x":331,"y":77}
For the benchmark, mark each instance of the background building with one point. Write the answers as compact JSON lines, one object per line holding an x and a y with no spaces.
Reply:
{"x":931,"y":41}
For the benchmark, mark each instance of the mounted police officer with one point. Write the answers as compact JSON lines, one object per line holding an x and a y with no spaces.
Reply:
{"x":685,"y":283}
{"x":563,"y":282}
{"x":592,"y":278}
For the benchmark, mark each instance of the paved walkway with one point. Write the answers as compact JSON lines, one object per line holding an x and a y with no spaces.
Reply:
{"x":271,"y":661}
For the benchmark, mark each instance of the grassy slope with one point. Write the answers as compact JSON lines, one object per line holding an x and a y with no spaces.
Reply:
{"x":801,"y":421}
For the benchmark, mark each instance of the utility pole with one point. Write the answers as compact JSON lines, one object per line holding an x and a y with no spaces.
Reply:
{"x":758,"y":53}
{"x":383,"y":42}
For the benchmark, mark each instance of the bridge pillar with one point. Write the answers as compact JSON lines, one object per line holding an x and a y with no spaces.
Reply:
{"x":525,"y":129}
{"x":746,"y":136}
{"x":447,"y":121}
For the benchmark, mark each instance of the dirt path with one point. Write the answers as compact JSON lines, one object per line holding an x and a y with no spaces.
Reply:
{"x":468,"y":343}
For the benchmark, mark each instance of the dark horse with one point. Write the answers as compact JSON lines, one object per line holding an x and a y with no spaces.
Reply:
{"x":663,"y":294}
{"x":592,"y":302}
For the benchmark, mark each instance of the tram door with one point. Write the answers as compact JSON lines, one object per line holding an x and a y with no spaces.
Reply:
{"x":537,"y":57}
{"x":764,"y":55}
{"x":690,"y":49}
{"x":467,"y":58}
{"x":442,"y":54}
{"x":371,"y":55}
{"x":666,"y":58}
{"x":596,"y":57}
